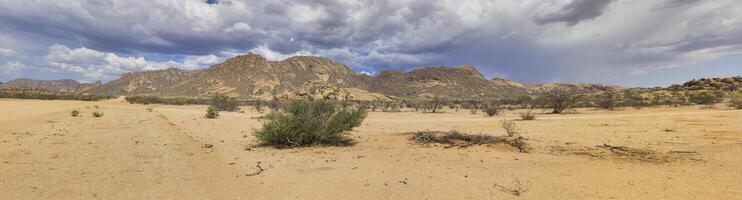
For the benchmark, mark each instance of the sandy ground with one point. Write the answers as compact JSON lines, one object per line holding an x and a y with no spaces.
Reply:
{"x":131,"y":153}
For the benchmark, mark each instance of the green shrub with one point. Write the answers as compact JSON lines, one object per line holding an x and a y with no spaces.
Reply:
{"x":75,"y":113}
{"x":306,"y":123}
{"x":224,"y":103}
{"x":97,"y":114}
{"x":212,"y":113}
{"x":703,"y":98}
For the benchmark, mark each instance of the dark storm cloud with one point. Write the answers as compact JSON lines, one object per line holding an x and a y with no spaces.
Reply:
{"x":521,"y":39}
{"x":574,"y":12}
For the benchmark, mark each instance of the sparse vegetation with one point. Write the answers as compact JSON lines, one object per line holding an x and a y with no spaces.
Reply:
{"x":224,"y":103}
{"x":75,"y":113}
{"x":703,"y":98}
{"x":151,"y":99}
{"x":212,"y":113}
{"x":527,"y":115}
{"x":306,"y":123}
{"x":97,"y":114}
{"x":46,"y":95}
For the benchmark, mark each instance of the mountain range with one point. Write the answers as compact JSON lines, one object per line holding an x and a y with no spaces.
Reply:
{"x":253,"y":76}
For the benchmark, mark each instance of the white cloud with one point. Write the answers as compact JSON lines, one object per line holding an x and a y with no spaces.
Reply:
{"x":269,"y":54}
{"x":6,"y":52}
{"x":94,"y":64}
{"x":12,"y":68}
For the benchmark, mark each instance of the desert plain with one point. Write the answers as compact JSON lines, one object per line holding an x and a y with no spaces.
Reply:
{"x":173,"y":152}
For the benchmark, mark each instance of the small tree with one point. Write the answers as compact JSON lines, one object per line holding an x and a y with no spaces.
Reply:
{"x":559,"y":100}
{"x":437,"y":103}
{"x":223,"y":103}
{"x":524,"y":101}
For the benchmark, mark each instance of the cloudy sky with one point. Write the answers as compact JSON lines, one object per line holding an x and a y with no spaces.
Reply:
{"x":623,"y":42}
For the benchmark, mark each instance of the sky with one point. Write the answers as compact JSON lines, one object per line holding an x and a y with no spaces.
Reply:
{"x":619,"y":42}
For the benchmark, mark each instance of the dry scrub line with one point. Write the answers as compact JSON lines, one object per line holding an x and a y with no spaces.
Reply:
{"x":611,"y":152}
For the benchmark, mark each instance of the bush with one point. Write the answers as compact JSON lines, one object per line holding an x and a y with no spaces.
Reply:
{"x":492,"y":109}
{"x":736,"y":102}
{"x":212,"y":113}
{"x":527,"y":115}
{"x":703,"y":98}
{"x":97,"y":114}
{"x":607,"y":101}
{"x":306,"y":123}
{"x":454,"y":138}
{"x":560,"y":100}
{"x":510,"y":128}
{"x":75,"y":113}
{"x":463,"y":140}
{"x":224,"y":103}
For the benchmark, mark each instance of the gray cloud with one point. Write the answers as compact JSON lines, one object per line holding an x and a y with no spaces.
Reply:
{"x":521,"y":38}
{"x":574,"y":12}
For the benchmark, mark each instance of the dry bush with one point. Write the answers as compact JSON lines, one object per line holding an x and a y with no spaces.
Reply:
{"x":492,"y":109}
{"x":559,"y":100}
{"x":212,"y":113}
{"x":527,"y":115}
{"x":455,"y":138}
{"x":510,"y":127}
{"x":463,"y":140}
{"x":97,"y":114}
{"x":75,"y":113}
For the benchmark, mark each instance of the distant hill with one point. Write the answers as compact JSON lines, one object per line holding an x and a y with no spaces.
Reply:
{"x":252,"y":76}
{"x":729,"y":84}
{"x":146,"y":82}
{"x":64,"y":85}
